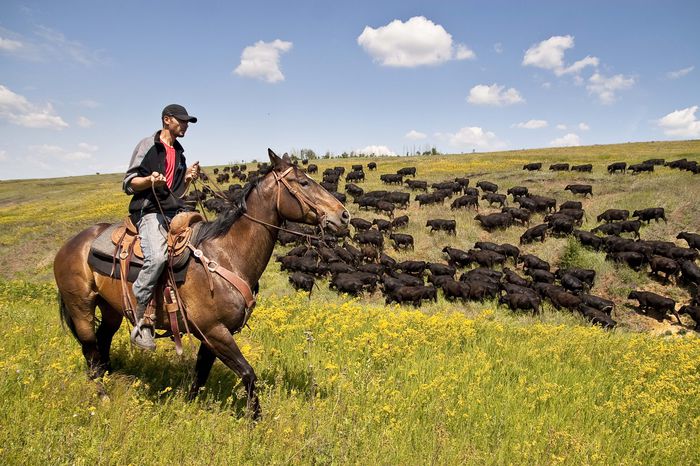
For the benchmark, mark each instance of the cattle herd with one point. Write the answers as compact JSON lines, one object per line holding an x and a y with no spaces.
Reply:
{"x":357,"y":260}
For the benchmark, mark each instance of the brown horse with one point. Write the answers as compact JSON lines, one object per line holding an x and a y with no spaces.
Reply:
{"x":242,"y":244}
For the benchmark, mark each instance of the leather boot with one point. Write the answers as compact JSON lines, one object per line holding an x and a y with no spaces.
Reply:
{"x":142,"y":334}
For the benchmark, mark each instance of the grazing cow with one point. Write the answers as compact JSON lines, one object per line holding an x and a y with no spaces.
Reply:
{"x":441,"y":269}
{"x":340,"y":196}
{"x":340,"y":267}
{"x":517,"y":191}
{"x":559,"y":167}
{"x":573,"y":284}
{"x":510,"y":251}
{"x":531,"y":261}
{"x":391,"y":179}
{"x":382,"y":225}
{"x":562,"y":225}
{"x":358,"y":175}
{"x":401,"y":240}
{"x":585,"y":275}
{"x":450,"y":226}
{"x":584,"y":189}
{"x":613,"y":214}
{"x":494,"y":198}
{"x":596,"y":316}
{"x":385,"y":207}
{"x":409,"y":280}
{"x":571,"y":205}
{"x":668,"y":266}
{"x":532,"y":166}
{"x":348,"y":283}
{"x":485,"y":258}
{"x":354,"y":190}
{"x":425,"y":199}
{"x":521,"y":301}
{"x":487,"y":186}
{"x":540,"y":276}
{"x":608,"y":229}
{"x":602,"y":304}
{"x":463,"y":182}
{"x":312,"y":168}
{"x":659,"y":305}
{"x":521,"y":215}
{"x":641,"y":167}
{"x":412,"y":294}
{"x":634,"y":260}
{"x":417,"y":185}
{"x":691,"y":272}
{"x":541,"y":203}
{"x":370,"y":237}
{"x":471,"y":192}
{"x":617,"y":167}
{"x":660,"y":162}
{"x":693,"y":239}
{"x":387,"y":261}
{"x":533,"y":233}
{"x":456,"y":256}
{"x":360,"y":224}
{"x":586,"y":168}
{"x":328,"y":186}
{"x":564,"y":299}
{"x":400,"y":222}
{"x":574,"y":214}
{"x":494,"y":221}
{"x":465,"y":201}
{"x":653,"y":213}
{"x":372,"y":166}
{"x":412,"y":267}
{"x":630,"y":226}
{"x":302,"y":281}
{"x":406,"y":171}
{"x":357,"y":167}
{"x":399,"y":198}
{"x":513,"y":278}
{"x":693,"y":312}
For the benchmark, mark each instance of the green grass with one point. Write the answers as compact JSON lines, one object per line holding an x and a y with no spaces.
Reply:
{"x":349,"y":380}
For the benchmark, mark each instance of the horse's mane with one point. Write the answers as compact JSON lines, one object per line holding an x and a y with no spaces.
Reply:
{"x":223,"y":223}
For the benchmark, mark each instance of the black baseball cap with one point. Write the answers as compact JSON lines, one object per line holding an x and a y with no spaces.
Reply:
{"x":179,"y":112}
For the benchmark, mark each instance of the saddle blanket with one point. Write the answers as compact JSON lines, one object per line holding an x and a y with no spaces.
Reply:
{"x":102,"y":251}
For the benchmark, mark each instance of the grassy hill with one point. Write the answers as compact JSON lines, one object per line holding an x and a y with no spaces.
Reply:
{"x":350,"y":380}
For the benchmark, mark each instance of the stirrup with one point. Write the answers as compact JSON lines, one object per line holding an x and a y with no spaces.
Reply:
{"x":142,"y":336}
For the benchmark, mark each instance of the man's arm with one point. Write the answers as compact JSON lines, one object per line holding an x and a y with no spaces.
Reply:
{"x":141,"y":183}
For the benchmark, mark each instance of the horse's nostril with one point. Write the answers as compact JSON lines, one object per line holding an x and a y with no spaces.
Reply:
{"x":345,"y":216}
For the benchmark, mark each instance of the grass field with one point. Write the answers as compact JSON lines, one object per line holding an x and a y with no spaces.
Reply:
{"x":350,"y":380}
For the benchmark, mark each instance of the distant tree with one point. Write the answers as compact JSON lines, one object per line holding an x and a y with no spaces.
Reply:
{"x":307,"y":154}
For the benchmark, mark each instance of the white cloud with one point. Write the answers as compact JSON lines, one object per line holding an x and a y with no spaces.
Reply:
{"x":9,"y":45}
{"x":262,"y":61}
{"x":605,"y":88}
{"x":583,"y":126}
{"x":416,"y":42}
{"x":561,"y":127}
{"x":46,"y":154}
{"x":415,"y":135}
{"x":470,"y":137}
{"x":498,"y":47}
{"x":375,"y":150}
{"x":549,"y":55}
{"x":55,"y":45}
{"x":18,"y":110}
{"x":681,"y":123}
{"x":569,"y":139}
{"x":493,"y":95}
{"x":84,"y":122}
{"x":532,"y":124}
{"x":679,"y":73}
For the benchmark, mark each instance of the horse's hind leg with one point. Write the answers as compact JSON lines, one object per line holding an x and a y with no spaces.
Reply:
{"x":79,"y":313}
{"x":205,"y":360}
{"x":111,"y":321}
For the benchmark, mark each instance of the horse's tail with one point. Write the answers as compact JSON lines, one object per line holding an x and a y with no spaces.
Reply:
{"x":66,"y":319}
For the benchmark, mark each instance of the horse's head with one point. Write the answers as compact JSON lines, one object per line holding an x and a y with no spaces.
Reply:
{"x":301,"y":199}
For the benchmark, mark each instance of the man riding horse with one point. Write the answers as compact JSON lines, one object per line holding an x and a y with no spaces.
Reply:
{"x":157,"y":178}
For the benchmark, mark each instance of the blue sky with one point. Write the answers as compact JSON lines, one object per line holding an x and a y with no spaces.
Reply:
{"x":83,"y":81}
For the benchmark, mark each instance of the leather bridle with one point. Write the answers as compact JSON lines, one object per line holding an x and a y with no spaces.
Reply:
{"x":304,"y":201}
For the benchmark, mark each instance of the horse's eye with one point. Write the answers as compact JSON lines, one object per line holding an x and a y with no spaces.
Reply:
{"x":304,"y":182}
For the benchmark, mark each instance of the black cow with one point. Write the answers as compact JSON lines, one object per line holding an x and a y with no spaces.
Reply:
{"x":602,"y":304}
{"x":613,"y":214}
{"x":641,"y":167}
{"x":533,"y":233}
{"x":668,"y":266}
{"x":494,"y":198}
{"x":412,"y":267}
{"x":417,"y":185}
{"x":584,"y":189}
{"x":522,"y":215}
{"x":487,"y":186}
{"x":653,"y":213}
{"x":456,"y":256}
{"x":517,"y":191}
{"x":302,"y":281}
{"x":633,"y":259}
{"x":659,"y":305}
{"x":382,"y":225}
{"x":399,"y":222}
{"x":587,"y":238}
{"x":559,"y":167}
{"x":406,"y":171}
{"x":360,"y":224}
{"x":358,"y":175}
{"x":401,"y":240}
{"x":532,"y":166}
{"x":693,"y":239}
{"x":370,"y":237}
{"x":391,"y":179}
{"x":573,"y":205}
{"x":465,"y":201}
{"x":450,"y":226}
{"x":372,"y":165}
{"x":617,"y":167}
{"x":693,"y":312}
{"x":531,"y":261}
{"x":585,"y":168}
{"x":521,"y":301}
{"x":494,"y":221}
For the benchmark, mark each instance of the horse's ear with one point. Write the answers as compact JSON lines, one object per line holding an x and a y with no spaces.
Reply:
{"x":274,"y":158}
{"x":286,"y":158}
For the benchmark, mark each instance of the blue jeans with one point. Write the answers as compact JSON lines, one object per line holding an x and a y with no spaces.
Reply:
{"x":152,"y":231}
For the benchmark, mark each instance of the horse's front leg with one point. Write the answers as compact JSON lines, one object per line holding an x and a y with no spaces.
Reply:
{"x":224,"y":347}
{"x":205,"y":360}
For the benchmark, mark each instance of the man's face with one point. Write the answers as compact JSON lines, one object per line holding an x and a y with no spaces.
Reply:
{"x":175,"y":126}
